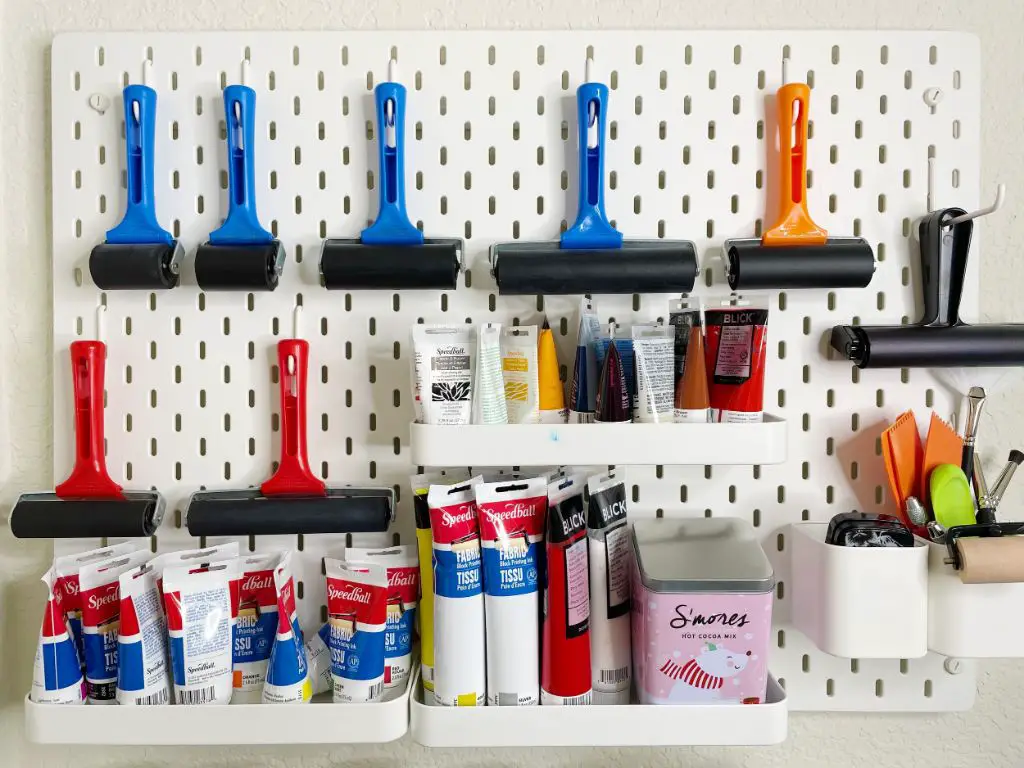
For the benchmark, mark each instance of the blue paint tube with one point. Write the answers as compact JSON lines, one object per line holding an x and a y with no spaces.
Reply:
{"x":583,"y":390}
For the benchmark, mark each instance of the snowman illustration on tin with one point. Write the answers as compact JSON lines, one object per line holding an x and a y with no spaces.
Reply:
{"x":704,"y":678}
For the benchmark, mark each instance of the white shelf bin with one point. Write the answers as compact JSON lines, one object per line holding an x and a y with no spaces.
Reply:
{"x":597,"y":726}
{"x":481,"y":445}
{"x":860,"y":602}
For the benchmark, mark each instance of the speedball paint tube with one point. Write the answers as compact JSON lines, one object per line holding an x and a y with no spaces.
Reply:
{"x":519,"y":368}
{"x":66,"y":581}
{"x":583,"y":389}
{"x":653,"y":347}
{"x":255,"y":628}
{"x":357,"y":610}
{"x":142,"y":675}
{"x":610,"y":567}
{"x":100,"y":590}
{"x":191,"y":557}
{"x":512,"y":536}
{"x":201,"y":613}
{"x":460,"y":670}
{"x":56,"y":672}
{"x":489,"y":392}
{"x":565,"y":661}
{"x":736,"y":341}
{"x":318,"y":659}
{"x":287,"y":672}
{"x":403,"y":569}
{"x":551,"y":393}
{"x":443,"y":373}
{"x":614,"y":403}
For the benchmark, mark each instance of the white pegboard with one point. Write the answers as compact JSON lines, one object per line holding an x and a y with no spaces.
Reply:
{"x":492,"y":157}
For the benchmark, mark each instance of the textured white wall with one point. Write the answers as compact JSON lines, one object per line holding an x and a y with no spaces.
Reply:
{"x":989,"y":735}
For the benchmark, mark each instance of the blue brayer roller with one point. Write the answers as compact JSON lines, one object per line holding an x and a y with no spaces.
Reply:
{"x":138,"y":252}
{"x":391,"y":253}
{"x":592,"y":256}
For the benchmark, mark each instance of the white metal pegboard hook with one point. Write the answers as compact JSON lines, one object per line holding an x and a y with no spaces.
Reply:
{"x":297,"y":322}
{"x":101,"y":316}
{"x":588,"y":77}
{"x":996,"y":205}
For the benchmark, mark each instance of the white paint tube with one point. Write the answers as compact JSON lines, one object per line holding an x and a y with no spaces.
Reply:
{"x":142,"y":675}
{"x":402,"y":565}
{"x":654,"y":354}
{"x":610,"y":568}
{"x":200,"y":620}
{"x":489,"y":392}
{"x":519,"y":370}
{"x":101,"y":621}
{"x":318,"y":656}
{"x":256,"y":627}
{"x":287,"y":671}
{"x":357,"y":608}
{"x":56,"y":674}
{"x":512,"y":515}
{"x":443,"y":373}
{"x":460,"y":669}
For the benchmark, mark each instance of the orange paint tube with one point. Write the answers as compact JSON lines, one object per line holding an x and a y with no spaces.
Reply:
{"x":552,"y":395}
{"x":692,"y":400}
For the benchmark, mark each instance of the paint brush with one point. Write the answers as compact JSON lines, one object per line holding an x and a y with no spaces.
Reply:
{"x":975,"y":405}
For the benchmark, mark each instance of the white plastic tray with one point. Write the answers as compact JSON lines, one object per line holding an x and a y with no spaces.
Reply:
{"x":860,"y":603}
{"x":619,"y":725}
{"x":481,"y":445}
{"x":320,"y":722}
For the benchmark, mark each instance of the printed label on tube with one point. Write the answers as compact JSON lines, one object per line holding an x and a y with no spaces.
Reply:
{"x":142,"y":675}
{"x":287,"y":672}
{"x":357,"y":606}
{"x":56,"y":671}
{"x":256,"y":627}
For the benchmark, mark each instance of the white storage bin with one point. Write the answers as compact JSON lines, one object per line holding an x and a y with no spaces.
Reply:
{"x":859,"y":602}
{"x":972,"y":621}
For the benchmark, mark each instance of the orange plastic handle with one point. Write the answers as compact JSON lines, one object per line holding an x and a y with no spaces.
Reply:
{"x":794,"y":226}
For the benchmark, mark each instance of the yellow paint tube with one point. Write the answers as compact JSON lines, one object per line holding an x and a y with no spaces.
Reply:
{"x":552,"y":395}
{"x":519,"y":367}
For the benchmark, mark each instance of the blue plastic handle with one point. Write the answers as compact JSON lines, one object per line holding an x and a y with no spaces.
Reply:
{"x":392,"y":226}
{"x":591,"y":228}
{"x":139,"y":224}
{"x":242,"y":225}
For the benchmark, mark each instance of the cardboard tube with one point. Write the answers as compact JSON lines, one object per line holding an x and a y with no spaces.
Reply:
{"x":995,"y":560}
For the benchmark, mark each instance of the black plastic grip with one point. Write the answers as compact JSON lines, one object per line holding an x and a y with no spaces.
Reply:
{"x":238,"y":267}
{"x":134,"y":267}
{"x":219,"y":513}
{"x":636,"y":267}
{"x":841,"y":264}
{"x":45,"y":516}
{"x":354,"y":265}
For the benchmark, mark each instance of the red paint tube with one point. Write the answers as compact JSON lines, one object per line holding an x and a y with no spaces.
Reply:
{"x":736,"y":341}
{"x":565,"y":660}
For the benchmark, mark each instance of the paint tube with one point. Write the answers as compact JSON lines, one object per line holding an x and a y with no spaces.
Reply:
{"x":684,"y":316}
{"x":443,"y":368}
{"x":736,"y":343}
{"x":142,"y":676}
{"x":653,"y":352}
{"x":565,"y":661}
{"x":460,"y":670}
{"x":519,"y":369}
{"x":256,"y":626}
{"x":489,"y":392}
{"x":622,"y":333}
{"x":56,"y":672}
{"x":201,"y":612}
{"x":318,"y":659}
{"x":551,"y":393}
{"x":403,"y":568}
{"x":357,"y":609}
{"x":100,"y":591}
{"x":512,"y":536}
{"x":192,"y":557}
{"x":610,"y":560}
{"x":583,"y":390}
{"x":66,"y":580}
{"x":614,"y":403}
{"x":287,"y":671}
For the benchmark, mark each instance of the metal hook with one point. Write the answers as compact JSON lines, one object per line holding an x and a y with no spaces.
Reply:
{"x":785,"y":70}
{"x":1000,"y":199}
{"x":147,"y":77}
{"x":297,"y":322}
{"x":101,"y":313}
{"x":592,"y":137}
{"x":390,"y":137}
{"x":245,"y":71}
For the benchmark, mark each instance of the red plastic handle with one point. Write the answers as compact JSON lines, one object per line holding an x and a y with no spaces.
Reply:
{"x":293,"y":477}
{"x":89,"y":478}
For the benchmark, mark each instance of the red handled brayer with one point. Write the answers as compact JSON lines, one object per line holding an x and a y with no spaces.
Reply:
{"x":391,"y":253}
{"x":88,"y":504}
{"x":241,"y":255}
{"x":138,"y":252}
{"x":941,"y":338}
{"x":796,"y":252}
{"x":591,"y":256}
{"x":294,"y":500}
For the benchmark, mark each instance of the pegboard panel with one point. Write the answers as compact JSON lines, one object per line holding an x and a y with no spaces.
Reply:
{"x":192,"y":397}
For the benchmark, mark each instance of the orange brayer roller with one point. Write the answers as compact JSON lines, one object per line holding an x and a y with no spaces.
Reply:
{"x":796,"y":252}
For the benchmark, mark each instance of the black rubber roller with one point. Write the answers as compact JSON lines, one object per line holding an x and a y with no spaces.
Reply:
{"x":240,"y":513}
{"x":135,"y":267}
{"x":352,"y":264}
{"x":840,"y":263}
{"x":239,"y":267}
{"x":914,"y":346}
{"x":637,"y":267}
{"x":46,"y":516}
